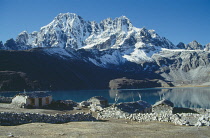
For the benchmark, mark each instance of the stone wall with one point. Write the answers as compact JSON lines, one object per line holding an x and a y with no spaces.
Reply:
{"x":8,"y":118}
{"x":189,"y":119}
{"x":162,"y":109}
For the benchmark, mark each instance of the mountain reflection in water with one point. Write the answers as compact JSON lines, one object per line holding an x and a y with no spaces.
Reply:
{"x":181,"y":97}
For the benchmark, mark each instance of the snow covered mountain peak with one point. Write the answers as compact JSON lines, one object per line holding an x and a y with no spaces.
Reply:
{"x":68,"y":30}
{"x":194,"y":45}
{"x":64,"y":20}
{"x":118,"y":24}
{"x":67,"y":15}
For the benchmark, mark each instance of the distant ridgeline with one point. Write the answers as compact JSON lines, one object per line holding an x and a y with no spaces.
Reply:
{"x":71,"y":53}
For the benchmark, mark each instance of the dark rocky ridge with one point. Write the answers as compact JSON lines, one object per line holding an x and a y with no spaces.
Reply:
{"x":36,"y":70}
{"x":124,"y":83}
{"x":13,"y":81}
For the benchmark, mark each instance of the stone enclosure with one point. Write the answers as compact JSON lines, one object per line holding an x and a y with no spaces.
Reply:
{"x":188,"y":119}
{"x":9,"y":118}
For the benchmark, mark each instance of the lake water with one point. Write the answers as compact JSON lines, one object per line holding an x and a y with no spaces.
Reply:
{"x":193,"y":97}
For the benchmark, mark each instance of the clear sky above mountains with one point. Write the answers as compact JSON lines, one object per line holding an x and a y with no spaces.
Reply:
{"x":177,"y":20}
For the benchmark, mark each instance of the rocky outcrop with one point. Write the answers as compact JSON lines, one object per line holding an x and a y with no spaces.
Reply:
{"x":207,"y":47}
{"x":181,"y":45}
{"x":194,"y":45}
{"x":124,"y":83}
{"x":184,"y":67}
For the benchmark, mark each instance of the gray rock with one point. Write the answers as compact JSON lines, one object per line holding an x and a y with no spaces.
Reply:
{"x":181,"y":45}
{"x":84,"y":104}
{"x":207,"y":47}
{"x":194,"y":45}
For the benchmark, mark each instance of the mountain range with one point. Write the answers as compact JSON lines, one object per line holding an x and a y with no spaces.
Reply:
{"x":71,"y":53}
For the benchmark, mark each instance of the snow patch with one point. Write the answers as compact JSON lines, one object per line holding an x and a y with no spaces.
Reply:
{"x":181,"y":50}
{"x":62,"y":53}
{"x":139,"y":55}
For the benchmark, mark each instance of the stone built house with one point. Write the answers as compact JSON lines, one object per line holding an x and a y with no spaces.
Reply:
{"x":135,"y":107}
{"x":163,"y":106}
{"x":97,"y":103}
{"x":34,"y":99}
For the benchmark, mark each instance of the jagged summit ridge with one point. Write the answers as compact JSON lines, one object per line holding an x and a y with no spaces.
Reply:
{"x":69,"y":30}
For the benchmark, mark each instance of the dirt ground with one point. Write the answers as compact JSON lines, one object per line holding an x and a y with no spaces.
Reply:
{"x":105,"y":128}
{"x":111,"y":128}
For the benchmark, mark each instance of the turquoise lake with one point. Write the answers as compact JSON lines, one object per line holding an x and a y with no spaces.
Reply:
{"x":192,"y":97}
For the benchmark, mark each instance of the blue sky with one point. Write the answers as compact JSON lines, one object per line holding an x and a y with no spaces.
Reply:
{"x":177,"y":20}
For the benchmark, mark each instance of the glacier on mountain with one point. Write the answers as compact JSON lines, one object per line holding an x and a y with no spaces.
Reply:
{"x":70,"y":31}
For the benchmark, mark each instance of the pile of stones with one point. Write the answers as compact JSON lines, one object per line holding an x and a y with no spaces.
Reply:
{"x":188,"y":119}
{"x":8,"y":118}
{"x":112,"y":112}
{"x":84,"y":104}
{"x":203,"y":120}
{"x":93,"y":107}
